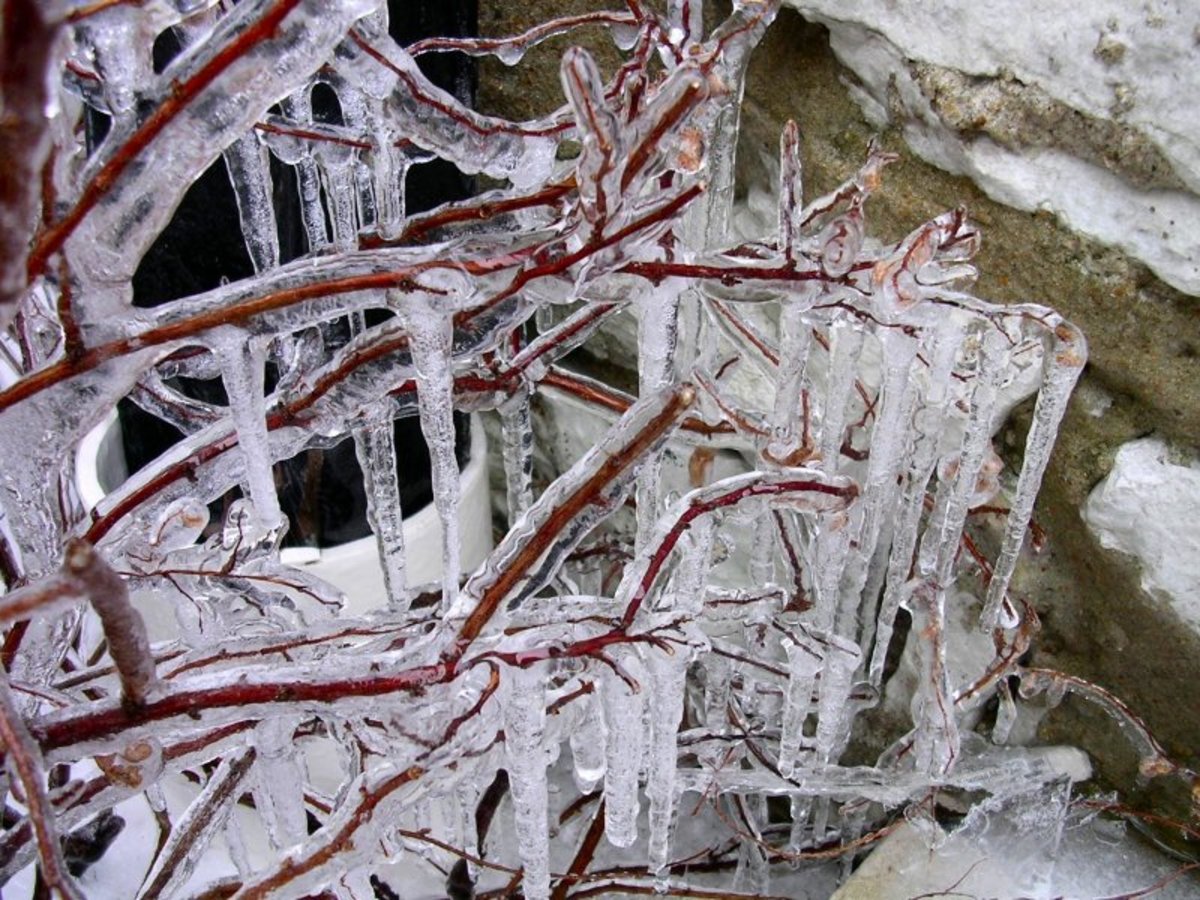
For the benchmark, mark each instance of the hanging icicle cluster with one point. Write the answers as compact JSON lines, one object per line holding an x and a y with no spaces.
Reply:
{"x":688,"y":682}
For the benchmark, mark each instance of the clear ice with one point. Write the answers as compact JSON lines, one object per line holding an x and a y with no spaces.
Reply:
{"x":699,"y":607}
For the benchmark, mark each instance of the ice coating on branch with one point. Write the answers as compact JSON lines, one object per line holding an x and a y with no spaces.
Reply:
{"x":115,"y":236}
{"x":524,"y":724}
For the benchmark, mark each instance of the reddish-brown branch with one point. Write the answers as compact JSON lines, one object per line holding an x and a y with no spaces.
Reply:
{"x":583,"y":856}
{"x":182,"y":94}
{"x":26,"y":44}
{"x":699,"y":507}
{"x":24,"y":762}
{"x":585,"y":495}
{"x":128,"y":643}
{"x":322,"y":852}
{"x":107,"y":719}
{"x":496,"y":126}
{"x":524,"y":40}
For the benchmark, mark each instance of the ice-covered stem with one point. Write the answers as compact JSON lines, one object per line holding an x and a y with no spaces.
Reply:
{"x":338,"y":833}
{"x":27,"y":56}
{"x":24,"y":763}
{"x":583,"y":856}
{"x":509,"y":50}
{"x":564,"y":513}
{"x":198,"y":825}
{"x":1153,"y":758}
{"x":280,"y":29}
{"x":801,"y":489}
{"x":42,"y":596}
{"x":361,"y":811}
{"x":128,"y":644}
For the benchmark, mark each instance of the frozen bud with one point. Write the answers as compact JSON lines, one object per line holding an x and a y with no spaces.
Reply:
{"x":180,"y":524}
{"x":137,"y":766}
{"x":840,"y":242}
{"x":689,"y":155}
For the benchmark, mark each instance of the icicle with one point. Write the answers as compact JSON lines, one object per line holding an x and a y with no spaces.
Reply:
{"x":390,"y":172}
{"x":467,"y":794}
{"x":854,"y":819}
{"x":517,"y":431}
{"x":718,"y":670}
{"x":340,"y":193}
{"x":834,"y":710}
{"x":1006,"y":714}
{"x":832,"y":545}
{"x":889,"y":439}
{"x":374,"y":445}
{"x":957,"y":477}
{"x":791,"y":190}
{"x":1064,"y":360}
{"x":707,"y":223}
{"x":846,"y":339}
{"x":667,"y":674}
{"x":803,"y":665}
{"x":299,"y":108}
{"x":936,"y":740}
{"x":427,"y":318}
{"x":281,"y":778}
{"x":820,"y":819}
{"x":753,"y":875}
{"x":801,"y":809}
{"x":120,"y":46}
{"x":623,"y":705}
{"x":242,"y":371}
{"x":250,"y":173}
{"x":787,"y":428}
{"x":762,"y":552}
{"x":235,"y":842}
{"x":691,"y":574}
{"x":929,"y":422}
{"x":657,"y":334}
{"x":524,"y":701}
{"x":587,"y":740}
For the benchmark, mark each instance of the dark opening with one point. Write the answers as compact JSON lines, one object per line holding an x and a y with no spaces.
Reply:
{"x":202,"y":247}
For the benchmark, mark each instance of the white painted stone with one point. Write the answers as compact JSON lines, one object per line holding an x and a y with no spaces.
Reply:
{"x":1149,"y":507}
{"x":1130,"y":63}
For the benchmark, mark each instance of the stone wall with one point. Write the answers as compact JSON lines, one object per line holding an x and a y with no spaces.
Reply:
{"x":1071,"y":133}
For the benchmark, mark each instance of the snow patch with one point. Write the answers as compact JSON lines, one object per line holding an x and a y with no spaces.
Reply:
{"x":1149,"y":507}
